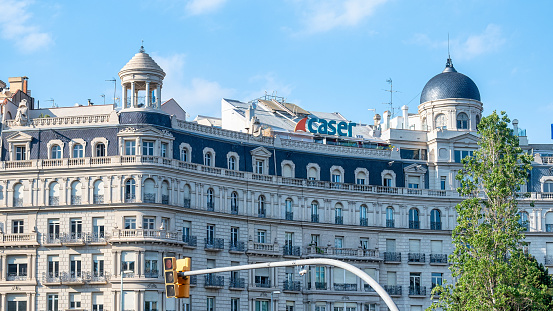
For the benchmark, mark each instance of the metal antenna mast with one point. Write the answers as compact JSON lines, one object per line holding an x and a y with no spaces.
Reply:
{"x":391,"y":90}
{"x":114,"y":89}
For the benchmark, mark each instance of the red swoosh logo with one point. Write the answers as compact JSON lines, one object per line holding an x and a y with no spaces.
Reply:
{"x":300,"y":126}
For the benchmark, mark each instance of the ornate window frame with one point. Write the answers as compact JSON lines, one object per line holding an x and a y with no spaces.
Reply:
{"x":232,"y":154}
{"x":362,"y":170}
{"x":338,"y":168}
{"x":292,"y":167}
{"x":317,"y":169}
{"x":391,"y":173}
{"x":188,"y":148}
{"x":212,"y":153}
{"x":73,"y":143}
{"x":53,"y":143}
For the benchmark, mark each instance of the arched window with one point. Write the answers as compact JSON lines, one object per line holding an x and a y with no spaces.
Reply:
{"x":149,"y":195}
{"x":18,"y":195}
{"x":100,"y":150}
{"x":435,"y":220}
{"x":336,"y":176}
{"x":388,"y":180}
{"x":414,"y":222}
{"x":390,"y":217}
{"x":289,"y":213}
{"x":523,"y":220}
{"x":462,"y":121}
{"x":55,"y":152}
{"x":338,"y":216}
{"x":232,"y":163}
{"x":164,"y":192}
{"x":314,"y":211}
{"x":78,"y":151}
{"x":261,"y":211}
{"x":548,"y":186}
{"x":234,"y":202}
{"x":210,"y":200}
{"x":186,"y":195}
{"x":184,"y":155}
{"x":208,"y":159}
{"x":549,"y":222}
{"x":312,"y":173}
{"x":98,"y":197}
{"x":287,"y":171}
{"x":440,"y":122}
{"x":477,"y":120}
{"x":363,"y":221}
{"x":76,"y":193}
{"x":54,"y":194}
{"x":130,"y":190}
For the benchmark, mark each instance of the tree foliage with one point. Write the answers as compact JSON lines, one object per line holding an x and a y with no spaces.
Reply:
{"x":489,"y":267}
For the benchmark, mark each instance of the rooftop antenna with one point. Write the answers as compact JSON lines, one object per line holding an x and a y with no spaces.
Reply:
{"x":53,"y":102}
{"x":391,"y":90}
{"x":114,"y":89}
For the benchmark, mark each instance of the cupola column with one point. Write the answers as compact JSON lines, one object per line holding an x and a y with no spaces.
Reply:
{"x":147,"y":102}
{"x":133,"y":96}
{"x":124,"y":99}
{"x":158,"y":99}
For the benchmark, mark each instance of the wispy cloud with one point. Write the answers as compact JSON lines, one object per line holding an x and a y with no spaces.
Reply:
{"x":198,"y":7}
{"x":324,"y":15}
{"x":267,"y":83}
{"x":16,"y":26}
{"x":195,"y":95}
{"x":488,"y":41}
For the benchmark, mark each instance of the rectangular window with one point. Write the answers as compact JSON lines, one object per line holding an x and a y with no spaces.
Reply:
{"x":259,"y":167}
{"x":128,"y":261}
{"x":130,"y":222}
{"x":360,"y":181}
{"x":17,"y":267}
{"x":147,"y":148}
{"x":130,"y":147}
{"x":234,"y":304}
{"x":53,"y":302}
{"x":234,"y":236}
{"x":210,"y":234}
{"x":17,"y":226}
{"x":97,"y":302}
{"x":315,"y":239}
{"x":261,"y":235}
{"x":53,"y":229}
{"x":148,"y":223}
{"x":76,"y":228}
{"x":164,"y":149}
{"x":20,"y":153}
{"x":413,"y":182}
{"x":150,"y":264}
{"x":165,"y":223}
{"x":210,"y":303}
{"x":184,"y":155}
{"x":75,"y":266}
{"x":437,"y":279}
{"x":442,"y":182}
{"x":74,"y":300}
{"x":53,"y":266}
{"x":336,"y":178}
{"x":98,"y":227}
{"x":98,"y":266}
{"x":339,"y":242}
{"x":461,"y":154}
{"x":261,"y":305}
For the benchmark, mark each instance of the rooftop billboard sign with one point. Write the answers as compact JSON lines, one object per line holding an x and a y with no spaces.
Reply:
{"x":322,"y":126}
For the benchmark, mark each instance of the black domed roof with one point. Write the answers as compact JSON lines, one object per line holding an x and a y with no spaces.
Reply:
{"x":450,"y":84}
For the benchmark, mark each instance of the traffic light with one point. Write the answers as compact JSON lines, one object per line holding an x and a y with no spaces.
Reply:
{"x":176,"y":284}
{"x":183,"y":287}
{"x":170,"y":275}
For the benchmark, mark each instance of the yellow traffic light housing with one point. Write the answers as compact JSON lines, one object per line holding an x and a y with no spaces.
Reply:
{"x":182,"y":284}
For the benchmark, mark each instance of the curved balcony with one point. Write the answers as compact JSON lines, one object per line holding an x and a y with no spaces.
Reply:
{"x":146,"y":236}
{"x":342,"y":253}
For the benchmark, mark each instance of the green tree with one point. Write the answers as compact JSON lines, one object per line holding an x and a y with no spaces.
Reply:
{"x":489,"y":268}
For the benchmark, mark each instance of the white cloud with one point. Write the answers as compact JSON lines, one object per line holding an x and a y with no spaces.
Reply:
{"x":15,"y":25}
{"x":197,"y":7}
{"x":488,"y":41}
{"x":195,"y":95}
{"x":322,"y":16}
{"x":267,"y":84}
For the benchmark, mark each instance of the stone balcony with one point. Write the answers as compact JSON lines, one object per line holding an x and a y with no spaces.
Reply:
{"x":264,"y":249}
{"x":76,"y":279}
{"x":146,"y":236}
{"x":18,"y":239}
{"x":313,"y":251}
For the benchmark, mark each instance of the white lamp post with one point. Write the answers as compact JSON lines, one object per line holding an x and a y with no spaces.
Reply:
{"x":276,"y":292}
{"x":122,"y":274}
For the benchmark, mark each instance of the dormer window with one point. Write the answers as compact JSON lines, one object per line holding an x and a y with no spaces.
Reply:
{"x":207,"y":159}
{"x":148,"y":148}
{"x":259,"y":164}
{"x":164,"y":148}
{"x":100,"y":150}
{"x":55,"y":152}
{"x":20,"y":153}
{"x":78,"y":151}
{"x":130,"y":147}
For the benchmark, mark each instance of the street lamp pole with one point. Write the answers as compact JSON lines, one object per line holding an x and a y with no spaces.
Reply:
{"x":122,"y":274}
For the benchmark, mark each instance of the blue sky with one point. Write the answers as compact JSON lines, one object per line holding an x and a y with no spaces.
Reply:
{"x":324,"y":55}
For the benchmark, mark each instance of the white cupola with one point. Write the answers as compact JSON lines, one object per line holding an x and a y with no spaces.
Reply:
{"x":144,"y":78}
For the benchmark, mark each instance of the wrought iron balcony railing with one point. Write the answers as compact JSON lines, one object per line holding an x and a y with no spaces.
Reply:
{"x":151,"y":273}
{"x":214,"y":244}
{"x":289,"y":216}
{"x":263,"y":284}
{"x":390,"y":223}
{"x":18,"y":202}
{"x":210,"y":206}
{"x":186,"y":203}
{"x":364,"y":222}
{"x":414,"y":224}
{"x":149,"y":198}
{"x":261,"y":213}
{"x":190,"y":240}
{"x":339,"y":220}
{"x":436,"y":225}
{"x":345,"y":287}
{"x":290,"y":250}
{"x":292,"y":286}
{"x":549,"y":228}
{"x":98,"y":199}
{"x":416,"y":257}
{"x":237,"y":246}
{"x":393,"y":290}
{"x":164,"y":199}
{"x":213,"y":280}
{"x":234,"y":209}
{"x":130,"y":198}
{"x":438,"y":258}
{"x":53,"y":200}
{"x":314,"y":217}
{"x":392,"y":257}
{"x":76,"y":200}
{"x":417,"y":290}
{"x":237,"y":283}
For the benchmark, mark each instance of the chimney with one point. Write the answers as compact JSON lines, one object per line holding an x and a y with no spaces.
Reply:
{"x":387,"y":116}
{"x":405,"y":111}
{"x":25,"y":84}
{"x":377,"y":119}
{"x":515,"y":127}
